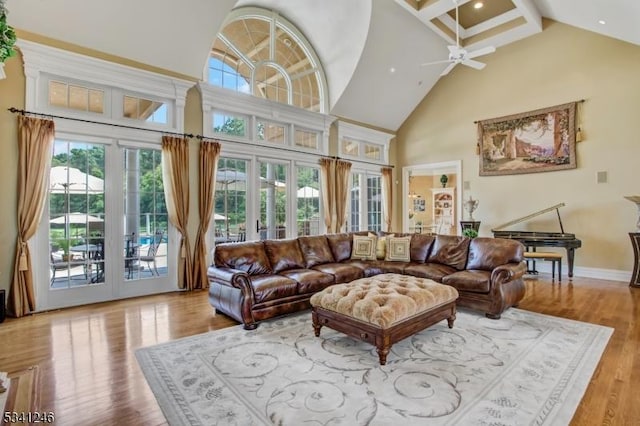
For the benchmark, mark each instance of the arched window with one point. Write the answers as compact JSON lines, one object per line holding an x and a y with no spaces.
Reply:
{"x":260,"y":52}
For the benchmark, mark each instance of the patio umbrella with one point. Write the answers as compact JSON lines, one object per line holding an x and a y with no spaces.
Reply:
{"x":75,"y":218}
{"x":217,"y":216}
{"x":69,"y":180}
{"x":307,"y":192}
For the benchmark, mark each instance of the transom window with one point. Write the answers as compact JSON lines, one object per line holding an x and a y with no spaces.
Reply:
{"x":144,"y":110}
{"x":82,"y":98}
{"x":261,"y":53}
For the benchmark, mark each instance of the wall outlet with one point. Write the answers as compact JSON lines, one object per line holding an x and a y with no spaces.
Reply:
{"x":601,"y":177}
{"x":466,"y":185}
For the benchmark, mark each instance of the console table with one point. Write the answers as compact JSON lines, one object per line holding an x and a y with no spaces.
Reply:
{"x":635,"y":242}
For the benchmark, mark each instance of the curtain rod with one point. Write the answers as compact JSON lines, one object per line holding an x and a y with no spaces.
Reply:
{"x":188,"y":135}
{"x":578,"y":101}
{"x":124,"y":126}
{"x":300,"y":152}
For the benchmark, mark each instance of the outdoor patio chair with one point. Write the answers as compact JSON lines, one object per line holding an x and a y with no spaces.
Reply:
{"x":65,"y":265}
{"x":153,"y":252}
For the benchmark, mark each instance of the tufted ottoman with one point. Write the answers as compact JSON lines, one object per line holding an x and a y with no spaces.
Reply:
{"x":383,"y":309}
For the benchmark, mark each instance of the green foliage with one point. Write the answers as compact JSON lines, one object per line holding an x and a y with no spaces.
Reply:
{"x":7,"y":38}
{"x":232,"y":126}
{"x":64,"y":244}
{"x":470,"y":233}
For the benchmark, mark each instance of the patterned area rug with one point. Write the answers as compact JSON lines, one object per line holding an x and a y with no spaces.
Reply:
{"x":525,"y":368}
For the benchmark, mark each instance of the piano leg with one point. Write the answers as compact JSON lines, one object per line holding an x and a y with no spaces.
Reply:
{"x":570,"y":256}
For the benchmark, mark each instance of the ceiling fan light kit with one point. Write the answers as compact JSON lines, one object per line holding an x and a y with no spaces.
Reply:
{"x":460,"y":55}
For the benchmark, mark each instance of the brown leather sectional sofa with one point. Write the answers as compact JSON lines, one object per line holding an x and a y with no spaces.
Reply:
{"x":255,"y":280}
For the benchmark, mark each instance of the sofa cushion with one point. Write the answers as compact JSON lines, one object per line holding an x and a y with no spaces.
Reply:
{"x":315,"y":250}
{"x":450,"y":250}
{"x":342,"y":272}
{"x":309,"y":280}
{"x":381,"y":245}
{"x":391,"y":267}
{"x":398,"y":249}
{"x":433,"y":271}
{"x":284,"y":254}
{"x":369,"y":267}
{"x":248,"y":257}
{"x":340,"y":245}
{"x":364,"y":247}
{"x":474,"y":281}
{"x":420,"y":246}
{"x":273,"y":287}
{"x":488,"y":253}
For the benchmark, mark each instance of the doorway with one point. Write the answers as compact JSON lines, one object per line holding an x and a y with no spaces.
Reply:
{"x":432,"y":198}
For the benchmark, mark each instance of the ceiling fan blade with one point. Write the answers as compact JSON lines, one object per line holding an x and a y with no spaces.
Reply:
{"x":453,"y":49}
{"x":448,"y":69}
{"x":474,"y":64}
{"x":446,"y":61}
{"x":481,"y":52}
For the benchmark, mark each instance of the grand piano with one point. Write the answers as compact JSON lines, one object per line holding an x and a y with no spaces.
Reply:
{"x":542,"y":239}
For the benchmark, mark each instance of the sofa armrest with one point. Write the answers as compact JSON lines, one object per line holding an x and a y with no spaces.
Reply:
{"x":508,"y":272}
{"x":233,"y":278}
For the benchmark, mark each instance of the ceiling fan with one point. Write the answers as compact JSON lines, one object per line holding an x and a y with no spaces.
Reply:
{"x":459,"y":55}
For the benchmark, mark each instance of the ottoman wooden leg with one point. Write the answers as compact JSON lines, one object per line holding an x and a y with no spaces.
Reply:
{"x":316,"y":323}
{"x":452,"y":317}
{"x":450,"y":321}
{"x":382,"y":354}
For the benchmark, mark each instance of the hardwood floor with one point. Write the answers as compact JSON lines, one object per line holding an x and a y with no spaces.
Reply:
{"x":89,"y":374}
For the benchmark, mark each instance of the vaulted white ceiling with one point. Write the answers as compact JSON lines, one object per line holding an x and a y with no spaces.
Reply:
{"x":371,"y":50}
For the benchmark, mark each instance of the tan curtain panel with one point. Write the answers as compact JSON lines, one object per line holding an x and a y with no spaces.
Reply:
{"x":343,"y":168}
{"x":387,"y":196}
{"x":327,"y":173}
{"x":35,"y":146}
{"x":208,"y":167}
{"x":175,"y":172}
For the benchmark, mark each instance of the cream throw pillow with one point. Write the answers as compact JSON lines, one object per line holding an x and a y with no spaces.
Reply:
{"x":381,"y":246}
{"x":364,"y":247}
{"x":398,"y":249}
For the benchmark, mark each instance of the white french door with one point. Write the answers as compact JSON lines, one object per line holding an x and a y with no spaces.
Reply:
{"x":105,"y":233}
{"x":272,"y":223}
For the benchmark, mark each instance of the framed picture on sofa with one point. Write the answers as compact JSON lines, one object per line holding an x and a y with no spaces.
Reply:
{"x":543,"y":140}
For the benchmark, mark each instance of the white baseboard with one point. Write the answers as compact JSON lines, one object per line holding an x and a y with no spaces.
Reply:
{"x":581,"y":271}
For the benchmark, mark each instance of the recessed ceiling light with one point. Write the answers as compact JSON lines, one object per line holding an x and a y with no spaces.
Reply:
{"x":601,"y":22}
{"x":392,"y":70}
{"x":478,"y":5}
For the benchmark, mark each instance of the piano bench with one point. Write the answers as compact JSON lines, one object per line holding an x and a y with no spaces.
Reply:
{"x":548,"y":256}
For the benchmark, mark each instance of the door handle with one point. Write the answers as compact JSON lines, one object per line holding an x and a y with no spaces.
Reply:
{"x":257,"y":227}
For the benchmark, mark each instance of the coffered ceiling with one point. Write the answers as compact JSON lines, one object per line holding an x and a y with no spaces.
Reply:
{"x":480,"y":22}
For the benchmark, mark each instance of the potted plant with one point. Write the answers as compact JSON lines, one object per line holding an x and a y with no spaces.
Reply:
{"x":7,"y":38}
{"x":64,"y":244}
{"x":470,"y":233}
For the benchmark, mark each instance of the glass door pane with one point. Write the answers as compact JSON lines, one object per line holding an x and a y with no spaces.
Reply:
{"x":354,"y":203}
{"x":308,"y":200}
{"x":374,"y":203}
{"x":146,"y":220}
{"x":230,"y":205}
{"x":273,"y":201}
{"x":77,"y":216}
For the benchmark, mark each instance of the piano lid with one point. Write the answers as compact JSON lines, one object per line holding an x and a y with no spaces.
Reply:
{"x":532,"y":215}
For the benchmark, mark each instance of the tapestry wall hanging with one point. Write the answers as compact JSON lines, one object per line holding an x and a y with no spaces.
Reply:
{"x":543,"y":140}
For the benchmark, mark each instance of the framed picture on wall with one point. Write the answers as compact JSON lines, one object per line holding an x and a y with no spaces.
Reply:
{"x":419,"y":205}
{"x":543,"y":140}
